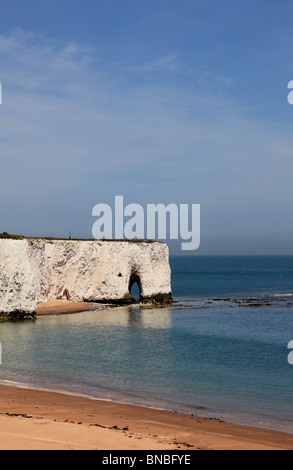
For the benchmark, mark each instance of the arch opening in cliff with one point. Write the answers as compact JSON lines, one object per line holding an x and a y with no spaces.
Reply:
{"x":65,"y":295}
{"x":135,"y":288}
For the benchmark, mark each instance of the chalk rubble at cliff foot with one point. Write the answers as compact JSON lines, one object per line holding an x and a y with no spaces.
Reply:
{"x":36,"y":270}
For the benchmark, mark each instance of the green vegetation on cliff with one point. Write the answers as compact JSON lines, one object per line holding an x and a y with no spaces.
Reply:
{"x":8,"y":235}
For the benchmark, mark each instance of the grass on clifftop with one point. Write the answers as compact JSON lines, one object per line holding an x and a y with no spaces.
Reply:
{"x":6,"y":236}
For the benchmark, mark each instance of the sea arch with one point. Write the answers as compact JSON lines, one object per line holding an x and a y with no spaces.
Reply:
{"x":135,"y":278}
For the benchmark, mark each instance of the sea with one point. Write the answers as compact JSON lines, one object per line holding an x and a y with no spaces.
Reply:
{"x":220,"y":351}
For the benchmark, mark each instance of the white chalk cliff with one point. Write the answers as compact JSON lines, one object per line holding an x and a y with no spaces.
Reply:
{"x":36,"y":270}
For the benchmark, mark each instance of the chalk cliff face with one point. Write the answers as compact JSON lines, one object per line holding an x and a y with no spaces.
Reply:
{"x":17,"y":280}
{"x":34,"y":271}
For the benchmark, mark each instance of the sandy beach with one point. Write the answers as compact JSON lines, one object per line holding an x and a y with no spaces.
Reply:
{"x":47,"y":420}
{"x":63,"y":307}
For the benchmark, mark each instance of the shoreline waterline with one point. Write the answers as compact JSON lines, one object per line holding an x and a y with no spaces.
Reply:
{"x":108,"y":425}
{"x":139,"y":402}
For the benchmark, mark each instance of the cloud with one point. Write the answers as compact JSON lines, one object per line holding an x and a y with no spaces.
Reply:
{"x":78,"y":127}
{"x":168,"y":64}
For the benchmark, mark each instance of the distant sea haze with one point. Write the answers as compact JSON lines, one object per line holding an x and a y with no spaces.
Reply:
{"x":220,"y":351}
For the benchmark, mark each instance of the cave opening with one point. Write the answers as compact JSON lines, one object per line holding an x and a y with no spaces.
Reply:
{"x":135,"y":287}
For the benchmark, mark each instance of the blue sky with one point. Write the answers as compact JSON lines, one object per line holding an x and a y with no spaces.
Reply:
{"x":171,"y":101}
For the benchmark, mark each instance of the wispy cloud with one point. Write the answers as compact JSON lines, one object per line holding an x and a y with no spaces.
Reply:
{"x":77,"y":128}
{"x":161,"y":65}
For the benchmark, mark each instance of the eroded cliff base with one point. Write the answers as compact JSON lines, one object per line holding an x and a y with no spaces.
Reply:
{"x":17,"y":316}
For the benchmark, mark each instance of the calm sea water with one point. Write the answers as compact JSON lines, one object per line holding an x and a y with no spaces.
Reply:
{"x":221,"y":351}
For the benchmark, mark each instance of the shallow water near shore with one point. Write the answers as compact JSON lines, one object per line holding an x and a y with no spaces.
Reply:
{"x":221,"y":351}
